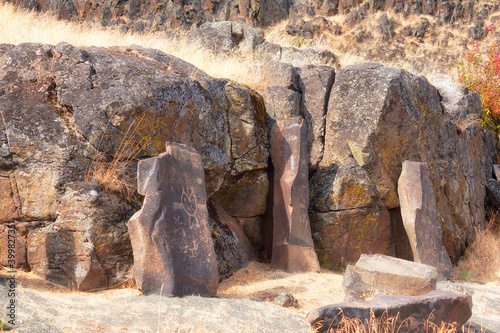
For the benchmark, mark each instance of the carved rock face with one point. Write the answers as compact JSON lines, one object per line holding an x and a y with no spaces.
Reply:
{"x":170,"y":235}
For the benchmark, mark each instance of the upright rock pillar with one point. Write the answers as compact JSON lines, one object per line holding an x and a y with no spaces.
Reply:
{"x":170,"y":235}
{"x":418,"y":209}
{"x":293,"y":248}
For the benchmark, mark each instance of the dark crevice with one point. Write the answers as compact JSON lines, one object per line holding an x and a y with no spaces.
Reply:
{"x":64,"y":111}
{"x":400,"y":239}
{"x":231,"y":161}
{"x":329,"y":88}
{"x":267,"y":218}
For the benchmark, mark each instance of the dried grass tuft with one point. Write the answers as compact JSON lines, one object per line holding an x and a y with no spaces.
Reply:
{"x":112,"y":172}
{"x":450,"y":91}
{"x":387,"y":324}
{"x":481,"y":262}
{"x":470,"y":120}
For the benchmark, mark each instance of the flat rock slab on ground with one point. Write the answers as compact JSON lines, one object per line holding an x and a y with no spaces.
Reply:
{"x":437,"y":306}
{"x":388,"y":275}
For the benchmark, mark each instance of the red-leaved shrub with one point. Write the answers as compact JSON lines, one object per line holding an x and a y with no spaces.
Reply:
{"x":480,"y":73}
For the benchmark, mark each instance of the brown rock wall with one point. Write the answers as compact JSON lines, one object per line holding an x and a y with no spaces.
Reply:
{"x":378,"y":117}
{"x":66,"y":110}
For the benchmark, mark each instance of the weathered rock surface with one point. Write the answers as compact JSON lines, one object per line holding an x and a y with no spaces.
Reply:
{"x":170,"y":235}
{"x":418,"y":209}
{"x":377,"y":118}
{"x":485,"y":297}
{"x":315,"y":83}
{"x":62,"y":106}
{"x":90,"y":225}
{"x":249,"y":146}
{"x":374,"y":274}
{"x":293,"y":248}
{"x":12,"y":238}
{"x":493,"y":193}
{"x":496,"y":171}
{"x":436,"y":307}
{"x":244,"y":196}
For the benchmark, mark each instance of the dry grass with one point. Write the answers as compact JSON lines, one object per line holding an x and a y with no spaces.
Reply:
{"x":450,"y":90}
{"x":421,"y":56}
{"x":112,"y":172}
{"x":452,"y":93}
{"x":481,"y":262}
{"x":20,"y":26}
{"x":259,"y":282}
{"x":436,"y":52}
{"x":471,"y":120}
{"x":386,"y":324}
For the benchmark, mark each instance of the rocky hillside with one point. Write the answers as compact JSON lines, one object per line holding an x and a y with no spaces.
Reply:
{"x":422,"y":36}
{"x":69,"y":113}
{"x":147,"y":16}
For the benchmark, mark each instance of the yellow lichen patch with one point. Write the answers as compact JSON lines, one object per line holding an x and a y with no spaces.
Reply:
{"x":351,"y":189}
{"x":350,"y":233}
{"x":152,"y":130}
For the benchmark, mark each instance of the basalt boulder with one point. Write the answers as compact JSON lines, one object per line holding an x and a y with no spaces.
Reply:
{"x":379,"y":274}
{"x":418,"y":210}
{"x":377,"y":118}
{"x":68,"y":113}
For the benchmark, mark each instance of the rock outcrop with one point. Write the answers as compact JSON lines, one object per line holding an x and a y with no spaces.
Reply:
{"x":67,"y":111}
{"x":435,"y":307}
{"x":375,"y":274}
{"x":377,"y":118}
{"x":418,"y":209}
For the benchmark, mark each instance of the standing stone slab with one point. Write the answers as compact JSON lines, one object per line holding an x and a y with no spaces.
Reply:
{"x":170,"y":235}
{"x":418,"y":209}
{"x":293,"y":248}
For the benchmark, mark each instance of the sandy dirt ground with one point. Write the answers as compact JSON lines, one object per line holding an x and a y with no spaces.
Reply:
{"x":245,"y":303}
